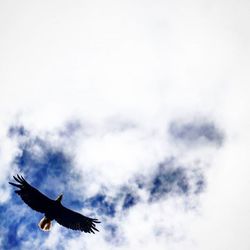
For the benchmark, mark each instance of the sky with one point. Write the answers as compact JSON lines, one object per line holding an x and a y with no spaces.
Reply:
{"x":137,"y":111}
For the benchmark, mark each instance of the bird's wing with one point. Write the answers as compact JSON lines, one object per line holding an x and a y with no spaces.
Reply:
{"x":75,"y":221}
{"x":31,"y":196}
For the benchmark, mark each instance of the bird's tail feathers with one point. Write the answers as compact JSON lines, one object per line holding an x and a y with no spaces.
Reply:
{"x":45,"y":224}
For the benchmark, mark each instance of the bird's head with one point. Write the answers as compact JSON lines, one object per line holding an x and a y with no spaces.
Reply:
{"x":59,"y":198}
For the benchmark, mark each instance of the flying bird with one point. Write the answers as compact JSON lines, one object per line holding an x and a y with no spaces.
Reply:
{"x":52,"y":209}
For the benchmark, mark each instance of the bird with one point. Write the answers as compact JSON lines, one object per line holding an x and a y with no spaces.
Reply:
{"x":52,"y":209}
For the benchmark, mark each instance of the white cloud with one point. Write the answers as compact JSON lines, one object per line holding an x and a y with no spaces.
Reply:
{"x":146,"y":64}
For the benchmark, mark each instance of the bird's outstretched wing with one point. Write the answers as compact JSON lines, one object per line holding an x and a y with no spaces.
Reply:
{"x":31,"y":196}
{"x":75,"y":221}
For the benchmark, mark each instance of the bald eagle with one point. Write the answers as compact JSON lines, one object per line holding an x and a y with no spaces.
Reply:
{"x":52,"y":209}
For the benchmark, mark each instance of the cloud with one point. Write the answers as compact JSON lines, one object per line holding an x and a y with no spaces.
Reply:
{"x":130,"y":200}
{"x":97,"y":98}
{"x":168,"y":181}
{"x":198,"y":132}
{"x":101,"y":204}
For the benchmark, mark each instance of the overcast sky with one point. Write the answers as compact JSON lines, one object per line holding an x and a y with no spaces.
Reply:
{"x":138,"y":111}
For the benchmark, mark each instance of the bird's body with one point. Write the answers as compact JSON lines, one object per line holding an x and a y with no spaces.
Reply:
{"x":52,"y":209}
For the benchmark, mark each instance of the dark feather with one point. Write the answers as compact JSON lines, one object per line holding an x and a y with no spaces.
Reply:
{"x":75,"y":221}
{"x":31,"y":196}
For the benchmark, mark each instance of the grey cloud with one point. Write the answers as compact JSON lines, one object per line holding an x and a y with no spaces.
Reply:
{"x":196,"y":132}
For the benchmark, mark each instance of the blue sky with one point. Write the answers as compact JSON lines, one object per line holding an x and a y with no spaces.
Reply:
{"x":137,"y":112}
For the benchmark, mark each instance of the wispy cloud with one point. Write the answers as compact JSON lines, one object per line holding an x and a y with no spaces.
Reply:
{"x":196,"y":133}
{"x":137,"y":112}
